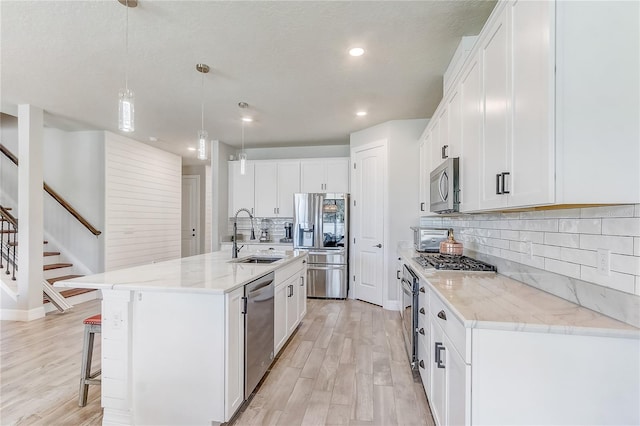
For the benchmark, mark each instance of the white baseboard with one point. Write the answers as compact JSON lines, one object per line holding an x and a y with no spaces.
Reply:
{"x":392,"y":305}
{"x":21,"y":314}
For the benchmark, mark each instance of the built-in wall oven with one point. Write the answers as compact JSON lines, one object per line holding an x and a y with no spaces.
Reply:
{"x":408,"y":313}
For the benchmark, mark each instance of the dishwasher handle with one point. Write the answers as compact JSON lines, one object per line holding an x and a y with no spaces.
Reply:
{"x":244,"y":305}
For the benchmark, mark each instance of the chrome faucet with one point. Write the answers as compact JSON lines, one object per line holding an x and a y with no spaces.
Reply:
{"x":234,"y":247}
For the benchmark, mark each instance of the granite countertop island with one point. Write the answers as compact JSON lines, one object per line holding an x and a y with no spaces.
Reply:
{"x":491,"y":300}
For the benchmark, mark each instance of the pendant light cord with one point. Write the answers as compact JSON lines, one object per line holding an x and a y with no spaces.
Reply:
{"x":126,"y":47}
{"x":202,"y":106}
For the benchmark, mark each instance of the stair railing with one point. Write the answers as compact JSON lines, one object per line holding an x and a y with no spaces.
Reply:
{"x":55,"y":195}
{"x":9,"y":227}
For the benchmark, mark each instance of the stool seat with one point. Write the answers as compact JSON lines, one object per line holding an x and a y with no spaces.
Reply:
{"x":92,"y":325}
{"x":94,"y":320}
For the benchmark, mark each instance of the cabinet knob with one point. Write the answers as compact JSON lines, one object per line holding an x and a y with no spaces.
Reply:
{"x":421,"y":364}
{"x":442,"y":315}
{"x":421,"y":331}
{"x":422,"y":311}
{"x":422,"y":290}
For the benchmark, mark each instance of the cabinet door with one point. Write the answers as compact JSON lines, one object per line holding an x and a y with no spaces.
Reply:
{"x":312,"y":176}
{"x":443,"y":126}
{"x":234,"y":381}
{"x":280,"y":317}
{"x":437,"y":372}
{"x":302,"y":294}
{"x":425,"y":171}
{"x":288,"y":184}
{"x":454,"y":122}
{"x":435,"y":152}
{"x":337,"y":175}
{"x":292,"y":303}
{"x":495,"y":55}
{"x":471,"y":137}
{"x":266,"y":189}
{"x":532,"y":158}
{"x":457,"y":373}
{"x":241,"y":187}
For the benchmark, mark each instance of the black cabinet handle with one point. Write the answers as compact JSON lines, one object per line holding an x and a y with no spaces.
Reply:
{"x":244,"y":305}
{"x":422,"y":311}
{"x":498,"y":192}
{"x":422,"y":290}
{"x":444,"y":151}
{"x":304,"y":261}
{"x":397,"y":275}
{"x":438,"y":354}
{"x":442,"y":315}
{"x":421,"y":207}
{"x":421,"y":364}
{"x":421,"y":331}
{"x":504,"y":187}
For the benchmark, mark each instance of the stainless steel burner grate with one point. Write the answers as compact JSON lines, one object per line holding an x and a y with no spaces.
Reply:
{"x":455,"y":263}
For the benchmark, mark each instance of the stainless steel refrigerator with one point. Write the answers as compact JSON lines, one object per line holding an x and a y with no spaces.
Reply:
{"x":321,"y":226}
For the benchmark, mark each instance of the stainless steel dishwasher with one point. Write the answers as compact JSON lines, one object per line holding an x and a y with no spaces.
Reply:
{"x":258,"y":330}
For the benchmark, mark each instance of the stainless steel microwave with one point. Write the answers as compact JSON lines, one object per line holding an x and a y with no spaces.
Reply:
{"x":444,"y":187}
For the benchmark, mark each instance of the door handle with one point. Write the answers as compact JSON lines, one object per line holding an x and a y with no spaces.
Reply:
{"x":244,"y":305}
{"x":498,"y":192}
{"x":421,"y":207}
{"x":378,"y":245}
{"x":504,"y":187}
{"x":444,"y":151}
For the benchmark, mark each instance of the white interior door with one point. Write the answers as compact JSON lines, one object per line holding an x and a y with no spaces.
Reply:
{"x":190,"y":215}
{"x":367,"y":220}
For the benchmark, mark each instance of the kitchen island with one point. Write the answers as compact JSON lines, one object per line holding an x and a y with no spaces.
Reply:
{"x":492,"y":350}
{"x":173,"y":334}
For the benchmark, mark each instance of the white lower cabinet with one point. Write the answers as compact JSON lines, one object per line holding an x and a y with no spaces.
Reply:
{"x":290,"y":302}
{"x":234,"y":344}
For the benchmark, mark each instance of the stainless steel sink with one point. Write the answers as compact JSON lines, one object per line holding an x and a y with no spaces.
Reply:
{"x":256,"y":259}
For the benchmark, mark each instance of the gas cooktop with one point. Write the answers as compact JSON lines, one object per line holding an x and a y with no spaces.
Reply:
{"x":453,"y":263}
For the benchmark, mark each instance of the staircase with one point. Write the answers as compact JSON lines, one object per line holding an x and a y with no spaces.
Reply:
{"x":53,"y":268}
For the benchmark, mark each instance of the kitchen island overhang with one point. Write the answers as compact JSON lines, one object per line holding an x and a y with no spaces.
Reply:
{"x":173,"y":336}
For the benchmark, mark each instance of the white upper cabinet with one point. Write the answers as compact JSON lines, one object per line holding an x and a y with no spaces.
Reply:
{"x":241,"y":187}
{"x":275,"y":184}
{"x":324,"y":175}
{"x":425,"y":170}
{"x":470,"y":92}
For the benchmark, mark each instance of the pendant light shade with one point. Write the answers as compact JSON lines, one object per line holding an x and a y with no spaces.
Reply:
{"x":126,"y":105}
{"x":202,"y":134}
{"x":243,"y":155}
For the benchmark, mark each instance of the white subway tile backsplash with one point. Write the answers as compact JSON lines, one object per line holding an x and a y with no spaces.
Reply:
{"x":534,"y":237}
{"x":619,"y":245}
{"x":636,"y":246}
{"x":532,"y":215}
{"x":518,"y":246}
{"x":562,"y":268}
{"x":615,"y":280}
{"x":541,"y":225}
{"x":608,"y":211}
{"x":535,"y":261}
{"x":510,"y":255}
{"x":583,"y":257}
{"x":563,"y":214}
{"x":552,"y":252}
{"x":626,"y":226}
{"x":580,"y":226}
{"x":637,"y":286}
{"x":509,"y":235}
{"x":625,"y":264}
{"x":637,"y":211}
{"x":560,"y":239}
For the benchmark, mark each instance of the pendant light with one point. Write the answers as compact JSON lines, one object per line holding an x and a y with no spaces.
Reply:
{"x":202,"y":134}
{"x":126,"y":107}
{"x":243,"y":155}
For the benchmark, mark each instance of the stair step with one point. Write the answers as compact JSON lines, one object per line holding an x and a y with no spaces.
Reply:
{"x":71,"y":292}
{"x":15,"y":243}
{"x":51,"y":253}
{"x":56,"y":266}
{"x":64,"y":277}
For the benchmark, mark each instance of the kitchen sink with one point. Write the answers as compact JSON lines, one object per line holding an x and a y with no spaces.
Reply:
{"x":256,"y":259}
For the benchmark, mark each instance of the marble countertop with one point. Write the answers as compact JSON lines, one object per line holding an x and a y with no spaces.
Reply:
{"x":205,"y":273}
{"x":490,"y":300}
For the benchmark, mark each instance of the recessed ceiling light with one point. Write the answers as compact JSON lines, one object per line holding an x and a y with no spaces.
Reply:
{"x":191,"y":148}
{"x":356,"y":51}
{"x":247,"y":119}
{"x":361,"y":113}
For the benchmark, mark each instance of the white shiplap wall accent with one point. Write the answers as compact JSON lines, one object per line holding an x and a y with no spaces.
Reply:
{"x":142,"y":203}
{"x":563,"y":242}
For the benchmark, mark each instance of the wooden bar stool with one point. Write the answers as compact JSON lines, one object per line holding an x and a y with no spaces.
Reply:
{"x":92,"y":325}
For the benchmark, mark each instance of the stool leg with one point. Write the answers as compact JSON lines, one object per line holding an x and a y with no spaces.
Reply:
{"x":87,"y":352}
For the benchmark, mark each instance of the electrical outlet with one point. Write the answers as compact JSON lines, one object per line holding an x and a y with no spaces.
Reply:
{"x":604,"y":262}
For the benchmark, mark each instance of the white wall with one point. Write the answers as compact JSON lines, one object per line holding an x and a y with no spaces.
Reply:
{"x":8,"y":170}
{"x":142,"y":205}
{"x":74,"y":168}
{"x":281,"y":153}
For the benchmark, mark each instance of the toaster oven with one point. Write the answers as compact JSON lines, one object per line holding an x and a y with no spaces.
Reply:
{"x":428,"y":239}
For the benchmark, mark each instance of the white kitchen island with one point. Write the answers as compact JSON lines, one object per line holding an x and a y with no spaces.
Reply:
{"x":173,"y":335}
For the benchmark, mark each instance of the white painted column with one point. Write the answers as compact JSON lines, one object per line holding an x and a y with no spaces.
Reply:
{"x":30,"y":214}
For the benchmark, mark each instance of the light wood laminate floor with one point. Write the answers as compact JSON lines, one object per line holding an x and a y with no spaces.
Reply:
{"x":345,"y":365}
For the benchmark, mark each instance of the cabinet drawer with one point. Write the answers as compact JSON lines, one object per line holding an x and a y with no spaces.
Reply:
{"x":452,"y":326}
{"x":287,"y":271}
{"x":423,"y":363}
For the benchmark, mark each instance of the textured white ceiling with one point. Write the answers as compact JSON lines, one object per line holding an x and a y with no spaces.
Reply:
{"x":288,"y":60}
